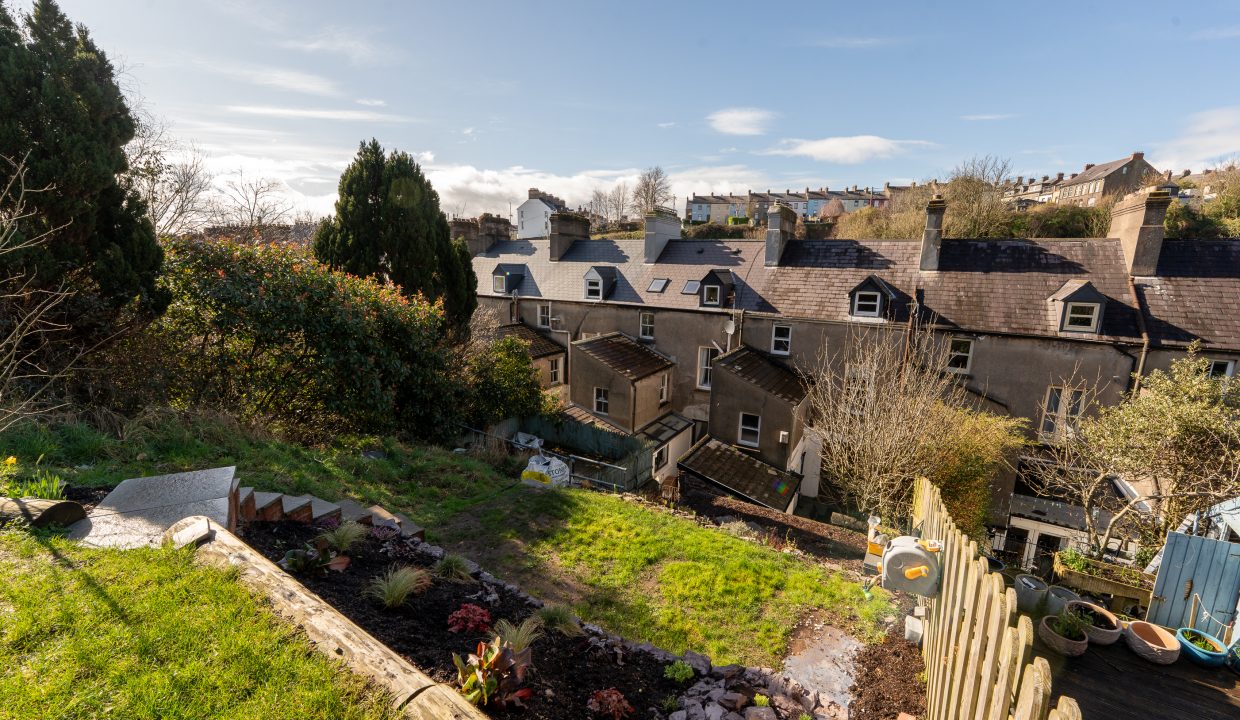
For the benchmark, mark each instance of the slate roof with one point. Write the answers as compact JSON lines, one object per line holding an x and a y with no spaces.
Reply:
{"x":576,"y":413}
{"x":624,"y":355}
{"x":1098,"y":171}
{"x":750,"y":478}
{"x":541,"y":346}
{"x":984,"y":286}
{"x":665,"y":428}
{"x":765,"y":372}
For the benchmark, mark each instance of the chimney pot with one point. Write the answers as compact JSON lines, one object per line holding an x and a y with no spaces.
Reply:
{"x":1088,"y":165}
{"x":1138,"y":155}
{"x":932,"y":236}
{"x":1058,"y":177}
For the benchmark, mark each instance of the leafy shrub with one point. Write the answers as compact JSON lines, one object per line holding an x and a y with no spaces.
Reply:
{"x":268,"y":332}
{"x":671,"y":704}
{"x":519,"y":637}
{"x":609,"y":703}
{"x":492,"y":674}
{"x":343,"y":537}
{"x":713,"y":231}
{"x":469,"y":618}
{"x":559,"y":618}
{"x":312,"y":560}
{"x":395,"y":586}
{"x":1070,"y":624}
{"x":502,"y":382}
{"x":1073,"y":560}
{"x":679,"y":671}
{"x":739,"y":220}
{"x":453,"y":568}
{"x":761,"y":700}
{"x":43,"y":484}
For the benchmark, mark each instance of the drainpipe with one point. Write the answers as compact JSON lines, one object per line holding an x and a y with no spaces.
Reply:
{"x":1134,"y":384}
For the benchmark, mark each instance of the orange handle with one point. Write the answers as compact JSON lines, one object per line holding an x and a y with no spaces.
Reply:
{"x":916,"y":572}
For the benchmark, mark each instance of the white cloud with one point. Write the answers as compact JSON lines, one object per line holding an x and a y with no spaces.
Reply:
{"x":851,"y":43}
{"x":848,"y":150}
{"x":666,"y":125}
{"x":1210,"y":137}
{"x":359,"y":47}
{"x":987,"y":116}
{"x":740,"y":120}
{"x":468,"y":131}
{"x":316,"y":114}
{"x":1223,"y":33}
{"x":370,"y":102}
{"x":279,"y":78}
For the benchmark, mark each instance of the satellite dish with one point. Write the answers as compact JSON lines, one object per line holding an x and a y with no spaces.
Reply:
{"x":729,"y":326}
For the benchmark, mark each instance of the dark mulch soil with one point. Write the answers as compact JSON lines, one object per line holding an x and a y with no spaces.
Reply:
{"x":565,"y":671}
{"x":87,"y":497}
{"x":886,"y":681}
{"x":828,"y":542}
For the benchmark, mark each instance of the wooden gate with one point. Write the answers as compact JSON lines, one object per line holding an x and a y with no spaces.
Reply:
{"x":978,"y":649}
{"x":1198,"y":585}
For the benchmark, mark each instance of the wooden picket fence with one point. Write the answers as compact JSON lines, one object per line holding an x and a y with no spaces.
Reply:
{"x":978,"y":649}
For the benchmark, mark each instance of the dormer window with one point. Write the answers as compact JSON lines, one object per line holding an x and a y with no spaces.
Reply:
{"x":1081,"y":317}
{"x":506,"y":278}
{"x":710,"y":295}
{"x":716,"y":288}
{"x":594,"y":289}
{"x":497,"y":283}
{"x":600,"y":281}
{"x":866,"y":304}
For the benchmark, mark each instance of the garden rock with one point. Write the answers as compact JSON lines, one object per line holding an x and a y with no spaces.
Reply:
{"x":698,"y":662}
{"x":696,"y":712}
{"x":760,"y":713}
{"x":733,"y":716}
{"x":734,"y":701}
{"x":714,"y":711}
{"x":679,"y":715}
{"x":786,"y":705}
{"x":727,"y":672}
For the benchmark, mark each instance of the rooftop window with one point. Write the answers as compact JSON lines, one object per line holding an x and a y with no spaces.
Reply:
{"x":691,"y":287}
{"x":866,"y":303}
{"x":657,"y":285}
{"x":1081,"y":317}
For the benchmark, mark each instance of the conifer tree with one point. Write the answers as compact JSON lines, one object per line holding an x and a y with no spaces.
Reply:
{"x":388,"y":225}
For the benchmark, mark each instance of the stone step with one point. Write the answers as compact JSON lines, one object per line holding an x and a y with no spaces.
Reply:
{"x":396,"y":520}
{"x":297,"y":508}
{"x":409,"y":528}
{"x":353,"y":510}
{"x":322,"y":510}
{"x":245,"y":504}
{"x":268,"y":506}
{"x":139,"y":510}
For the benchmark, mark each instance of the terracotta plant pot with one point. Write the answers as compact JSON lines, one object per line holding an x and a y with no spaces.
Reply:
{"x":1151,"y":642}
{"x":1057,"y":599}
{"x":1059,"y":643}
{"x":1099,"y":635}
{"x":1204,"y":658}
{"x":1030,"y":592}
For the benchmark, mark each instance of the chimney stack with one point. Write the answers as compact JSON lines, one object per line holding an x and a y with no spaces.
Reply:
{"x":932,"y":236}
{"x":660,"y":229}
{"x":781,"y":223}
{"x":1137,"y":221}
{"x":1088,"y":166}
{"x":1138,"y":156}
{"x":566,"y":229}
{"x":1058,"y":177}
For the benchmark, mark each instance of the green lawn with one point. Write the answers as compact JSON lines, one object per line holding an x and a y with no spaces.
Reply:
{"x":150,"y":634}
{"x":639,"y":572}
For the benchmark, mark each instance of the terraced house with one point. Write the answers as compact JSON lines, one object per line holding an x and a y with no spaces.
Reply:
{"x":739,"y":324}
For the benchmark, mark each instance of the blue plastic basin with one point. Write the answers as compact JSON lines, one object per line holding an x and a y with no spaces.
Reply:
{"x":1204,"y":658}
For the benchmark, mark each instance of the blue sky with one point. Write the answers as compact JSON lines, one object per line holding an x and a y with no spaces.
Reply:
{"x":497,"y":97}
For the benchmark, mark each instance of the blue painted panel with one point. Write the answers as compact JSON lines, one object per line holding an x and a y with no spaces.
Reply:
{"x":1192,"y":565}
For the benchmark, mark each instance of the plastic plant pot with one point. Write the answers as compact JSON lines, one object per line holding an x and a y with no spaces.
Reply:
{"x":1099,"y":634}
{"x":1233,"y":657}
{"x":1030,"y":592}
{"x":1059,"y":643}
{"x":1204,"y":658}
{"x":1057,"y":599}
{"x":1152,"y":642}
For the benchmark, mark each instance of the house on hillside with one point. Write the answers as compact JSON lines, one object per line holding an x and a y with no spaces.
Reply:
{"x":549,"y":357}
{"x":1111,"y":179}
{"x":534,"y":215}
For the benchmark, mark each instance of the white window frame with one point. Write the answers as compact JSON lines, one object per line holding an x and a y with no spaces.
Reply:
{"x":555,"y":371}
{"x":706,"y":356}
{"x":1095,"y":310}
{"x":594,"y":289}
{"x":602,"y":400}
{"x":664,"y":388}
{"x":870,"y":296}
{"x":544,"y":315}
{"x":755,"y":429}
{"x":1063,"y":417}
{"x":1228,"y":368}
{"x":642,"y":325}
{"x":660,"y":464}
{"x":781,"y":345}
{"x":953,"y":354}
{"x":706,"y":293}
{"x":499,"y":284}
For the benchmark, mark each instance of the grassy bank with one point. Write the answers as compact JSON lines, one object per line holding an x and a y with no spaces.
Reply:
{"x":149,"y":634}
{"x":639,"y":572}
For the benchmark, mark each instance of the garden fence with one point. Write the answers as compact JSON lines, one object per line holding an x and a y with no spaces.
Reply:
{"x":978,"y":649}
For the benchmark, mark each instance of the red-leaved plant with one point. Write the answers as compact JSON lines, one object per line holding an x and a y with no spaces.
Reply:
{"x":469,"y":618}
{"x":609,"y":703}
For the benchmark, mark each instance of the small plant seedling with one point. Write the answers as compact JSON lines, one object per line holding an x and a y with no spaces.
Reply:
{"x":453,"y":568}
{"x":519,"y":637}
{"x":679,"y":671}
{"x":393,"y":588}
{"x":609,"y":703}
{"x":469,"y":618}
{"x":671,"y":704}
{"x":343,"y":537}
{"x":492,"y":674}
{"x":761,"y":700}
{"x":1070,"y":624}
{"x":560,"y":619}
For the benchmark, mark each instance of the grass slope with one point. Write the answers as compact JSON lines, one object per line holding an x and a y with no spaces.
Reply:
{"x":149,"y":634}
{"x":639,"y":572}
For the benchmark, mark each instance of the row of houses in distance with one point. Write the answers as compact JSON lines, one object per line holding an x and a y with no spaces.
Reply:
{"x":807,"y":204}
{"x":715,"y":339}
{"x":1086,"y":188}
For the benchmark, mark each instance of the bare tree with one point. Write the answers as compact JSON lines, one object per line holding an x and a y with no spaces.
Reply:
{"x":975,"y":198}
{"x":653,"y":189}
{"x":887,"y":411}
{"x":251,"y":205}
{"x":833,"y":209}
{"x":618,"y":202}
{"x":171,"y":177}
{"x":599,"y":201}
{"x":27,"y":330}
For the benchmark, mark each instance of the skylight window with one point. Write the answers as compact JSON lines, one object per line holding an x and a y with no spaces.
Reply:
{"x":657,"y":285}
{"x":691,"y":287}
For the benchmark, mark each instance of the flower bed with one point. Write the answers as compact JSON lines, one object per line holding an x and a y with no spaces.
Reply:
{"x":566,"y":671}
{"x":1102,"y":578}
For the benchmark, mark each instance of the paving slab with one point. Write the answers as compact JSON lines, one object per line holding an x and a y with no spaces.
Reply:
{"x":139,"y":510}
{"x":353,"y":510}
{"x":826,"y":664}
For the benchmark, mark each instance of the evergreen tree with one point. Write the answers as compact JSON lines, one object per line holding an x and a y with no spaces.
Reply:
{"x":388,"y":225}
{"x":65,"y":116}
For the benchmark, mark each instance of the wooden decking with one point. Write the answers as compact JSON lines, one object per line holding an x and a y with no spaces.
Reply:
{"x":1112,"y":683}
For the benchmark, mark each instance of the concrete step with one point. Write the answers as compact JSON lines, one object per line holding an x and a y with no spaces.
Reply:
{"x":268,"y":506}
{"x":297,"y":509}
{"x":409,"y":528}
{"x":353,"y":510}
{"x":139,"y":510}
{"x":322,"y":510}
{"x":245,"y":504}
{"x":396,"y":520}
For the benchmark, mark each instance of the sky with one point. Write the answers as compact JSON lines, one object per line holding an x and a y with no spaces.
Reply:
{"x":494,"y":98}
